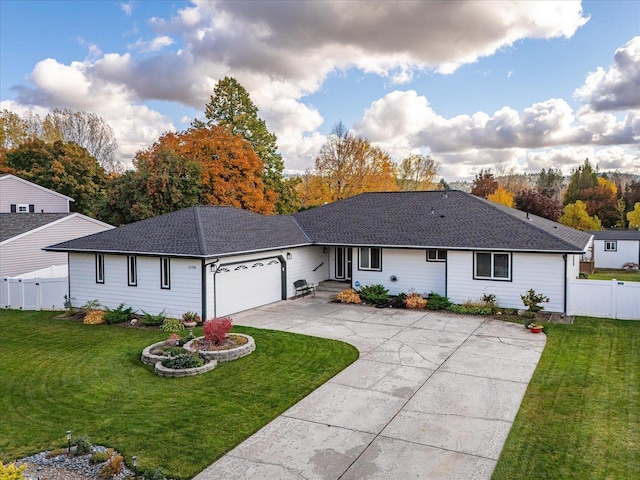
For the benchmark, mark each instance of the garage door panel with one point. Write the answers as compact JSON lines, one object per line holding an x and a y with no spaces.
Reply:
{"x":247,"y":285}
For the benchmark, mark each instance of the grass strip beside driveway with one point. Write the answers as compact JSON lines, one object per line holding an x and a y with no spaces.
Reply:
{"x":580,"y":417}
{"x":59,"y":375}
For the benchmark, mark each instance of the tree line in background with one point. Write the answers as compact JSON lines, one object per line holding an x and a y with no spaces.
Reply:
{"x":231,"y":158}
{"x":590,"y":200}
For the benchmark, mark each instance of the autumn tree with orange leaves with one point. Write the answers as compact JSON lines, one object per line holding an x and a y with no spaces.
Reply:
{"x":202,"y":166}
{"x":347,"y":165}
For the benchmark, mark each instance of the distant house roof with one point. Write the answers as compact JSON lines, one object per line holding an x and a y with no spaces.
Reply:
{"x":456,"y":220}
{"x":14,"y":224}
{"x":615,"y":234}
{"x":202,"y":231}
{"x":35,"y":185}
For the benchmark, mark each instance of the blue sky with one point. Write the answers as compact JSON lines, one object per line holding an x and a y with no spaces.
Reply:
{"x":501,"y":85}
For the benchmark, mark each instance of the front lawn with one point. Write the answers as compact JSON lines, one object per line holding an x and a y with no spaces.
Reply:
{"x":618,"y":274}
{"x":59,"y":375}
{"x":580,"y":417}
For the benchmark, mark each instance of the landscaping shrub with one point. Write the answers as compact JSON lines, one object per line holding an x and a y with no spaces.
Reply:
{"x":56,"y":452}
{"x":415,"y":301}
{"x":172,"y":325}
{"x":153,"y":320}
{"x":83,"y":445}
{"x":217,"y":329}
{"x":348,"y":296}
{"x":374,"y":294}
{"x":532,"y":300}
{"x":113,"y":467}
{"x":183,"y":361}
{"x":191,"y":317}
{"x":91,"y":305}
{"x":437,"y":302}
{"x":154,"y":474}
{"x":470,"y":309}
{"x":118,"y":315}
{"x":11,"y":472}
{"x":94,"y":317}
{"x":100,"y":457}
{"x":491,"y":302}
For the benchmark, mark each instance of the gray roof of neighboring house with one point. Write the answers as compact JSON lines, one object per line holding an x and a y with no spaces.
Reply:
{"x":456,"y":220}
{"x":14,"y":224}
{"x":202,"y":231}
{"x":615,"y":234}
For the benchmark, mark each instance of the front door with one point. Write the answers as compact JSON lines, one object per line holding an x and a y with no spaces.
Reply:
{"x":344,"y":257}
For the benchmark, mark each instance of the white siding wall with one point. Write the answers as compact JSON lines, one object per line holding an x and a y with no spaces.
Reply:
{"x":301,"y":265}
{"x":628,"y":251}
{"x":544,"y":273}
{"x":411,"y":269}
{"x":184,"y":294}
{"x":25,"y":254}
{"x":15,"y":191}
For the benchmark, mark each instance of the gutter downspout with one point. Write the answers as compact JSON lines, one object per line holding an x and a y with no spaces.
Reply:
{"x":566,"y":289}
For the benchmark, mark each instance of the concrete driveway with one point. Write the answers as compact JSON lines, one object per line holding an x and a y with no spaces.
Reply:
{"x":433,"y":395}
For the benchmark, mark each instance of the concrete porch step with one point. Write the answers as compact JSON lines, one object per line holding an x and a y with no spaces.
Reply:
{"x":333,"y":286}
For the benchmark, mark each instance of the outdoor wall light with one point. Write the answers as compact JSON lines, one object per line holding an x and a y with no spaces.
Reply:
{"x":289,"y":256}
{"x":325,"y":250}
{"x":134,"y":459}
{"x":69,"y":440}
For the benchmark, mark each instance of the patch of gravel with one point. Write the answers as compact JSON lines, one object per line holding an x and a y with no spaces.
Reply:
{"x":67,"y":467}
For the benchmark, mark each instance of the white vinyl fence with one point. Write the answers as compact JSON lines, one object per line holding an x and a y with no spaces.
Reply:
{"x":604,"y":298}
{"x":33,"y":293}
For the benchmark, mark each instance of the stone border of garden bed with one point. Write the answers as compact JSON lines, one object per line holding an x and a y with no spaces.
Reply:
{"x":184,"y":372}
{"x":225,"y":355}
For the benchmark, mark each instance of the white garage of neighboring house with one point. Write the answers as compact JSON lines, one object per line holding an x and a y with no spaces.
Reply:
{"x":615,"y":247}
{"x":218,"y":260}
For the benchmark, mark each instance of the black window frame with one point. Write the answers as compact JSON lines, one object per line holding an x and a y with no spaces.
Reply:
{"x":132,"y":270}
{"x":610,"y":245}
{"x":369,"y":257}
{"x":492,"y":267}
{"x":165,"y":273}
{"x":99,"y":263}
{"x":438,"y":253}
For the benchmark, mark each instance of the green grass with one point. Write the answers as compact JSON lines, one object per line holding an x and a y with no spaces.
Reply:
{"x":59,"y":375}
{"x":618,"y":274}
{"x":580,"y":417}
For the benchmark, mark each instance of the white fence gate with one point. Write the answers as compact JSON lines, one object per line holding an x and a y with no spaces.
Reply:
{"x":604,"y":298}
{"x":33,"y":293}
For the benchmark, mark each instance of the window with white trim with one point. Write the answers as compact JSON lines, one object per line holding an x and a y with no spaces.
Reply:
{"x":611,"y":246}
{"x":492,"y":266}
{"x":435,"y":255}
{"x":132,"y":270}
{"x":165,"y":273}
{"x":370,"y":259}
{"x":99,"y":268}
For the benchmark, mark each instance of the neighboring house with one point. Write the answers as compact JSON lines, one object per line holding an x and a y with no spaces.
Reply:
{"x":221,"y":260}
{"x":614,"y":247}
{"x":23,"y":236}
{"x":21,"y":196}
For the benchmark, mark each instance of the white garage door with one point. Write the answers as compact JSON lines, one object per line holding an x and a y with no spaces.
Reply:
{"x":247,"y":285}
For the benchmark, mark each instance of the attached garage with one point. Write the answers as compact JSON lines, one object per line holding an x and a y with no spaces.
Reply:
{"x":250,"y":284}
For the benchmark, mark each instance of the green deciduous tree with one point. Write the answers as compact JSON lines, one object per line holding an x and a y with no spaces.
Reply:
{"x":63,"y":167}
{"x":231,"y":106}
{"x":575,"y":216}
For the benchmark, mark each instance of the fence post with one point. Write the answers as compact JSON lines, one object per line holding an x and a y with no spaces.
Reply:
{"x":614,"y":299}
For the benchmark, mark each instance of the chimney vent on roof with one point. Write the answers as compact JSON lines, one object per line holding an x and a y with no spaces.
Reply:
{"x":433,"y":210}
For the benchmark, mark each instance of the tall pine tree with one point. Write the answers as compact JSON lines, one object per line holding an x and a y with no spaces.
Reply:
{"x":231,"y":106}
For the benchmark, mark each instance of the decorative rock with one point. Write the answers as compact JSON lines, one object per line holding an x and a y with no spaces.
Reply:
{"x":224,"y":355}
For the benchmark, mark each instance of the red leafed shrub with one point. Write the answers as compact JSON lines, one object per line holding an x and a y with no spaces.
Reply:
{"x":217,"y":329}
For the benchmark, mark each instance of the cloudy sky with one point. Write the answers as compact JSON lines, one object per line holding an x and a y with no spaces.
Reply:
{"x":477,"y":84}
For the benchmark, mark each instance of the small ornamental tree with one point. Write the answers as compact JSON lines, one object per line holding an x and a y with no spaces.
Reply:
{"x":216,"y":330}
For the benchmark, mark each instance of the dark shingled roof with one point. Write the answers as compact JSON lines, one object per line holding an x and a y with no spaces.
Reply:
{"x":195,"y":232}
{"x":14,"y":224}
{"x":456,"y":220}
{"x":615,"y":234}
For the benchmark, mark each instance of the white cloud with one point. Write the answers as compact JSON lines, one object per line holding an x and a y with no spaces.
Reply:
{"x":127,"y":8}
{"x":617,"y":88}
{"x":154,"y":45}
